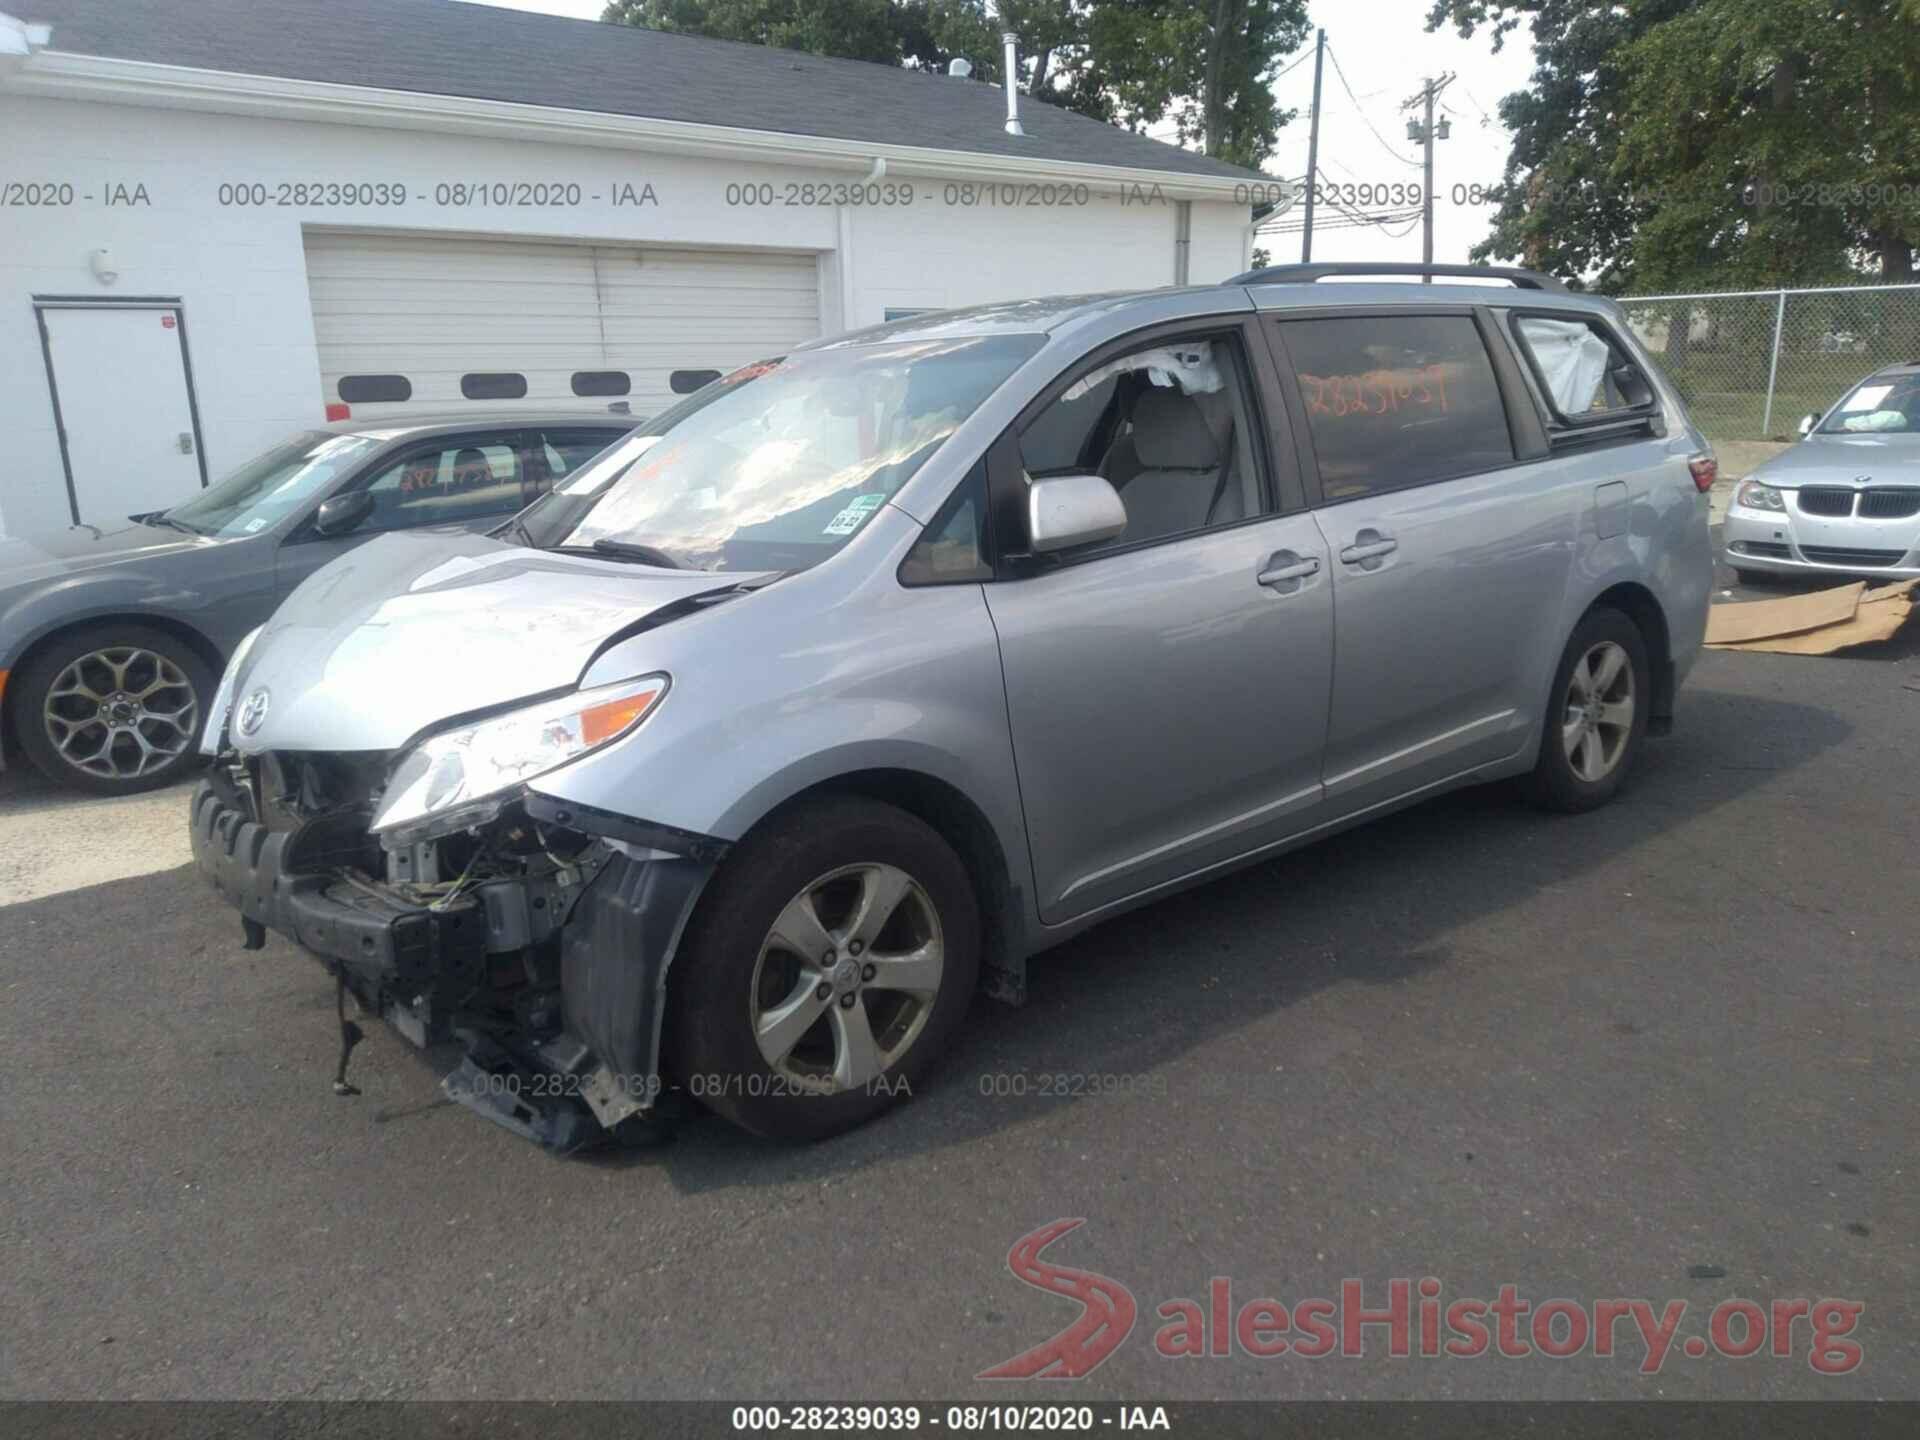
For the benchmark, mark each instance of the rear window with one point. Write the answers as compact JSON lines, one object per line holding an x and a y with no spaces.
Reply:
{"x":1396,"y":400}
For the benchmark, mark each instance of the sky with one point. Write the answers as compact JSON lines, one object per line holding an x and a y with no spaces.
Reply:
{"x":1383,"y":53}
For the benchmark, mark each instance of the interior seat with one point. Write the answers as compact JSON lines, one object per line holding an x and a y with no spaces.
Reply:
{"x":1183,"y":469}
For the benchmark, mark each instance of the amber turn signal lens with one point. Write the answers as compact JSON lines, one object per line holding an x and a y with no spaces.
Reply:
{"x":609,"y":718}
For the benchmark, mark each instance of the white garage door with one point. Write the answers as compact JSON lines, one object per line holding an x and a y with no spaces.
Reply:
{"x":466,"y":324}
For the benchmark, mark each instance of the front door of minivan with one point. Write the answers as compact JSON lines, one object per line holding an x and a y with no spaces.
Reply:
{"x":1167,"y":690}
{"x":1450,"y":557}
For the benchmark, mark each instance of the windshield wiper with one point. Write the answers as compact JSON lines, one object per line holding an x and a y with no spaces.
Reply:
{"x":160,"y":517}
{"x":628,"y":550}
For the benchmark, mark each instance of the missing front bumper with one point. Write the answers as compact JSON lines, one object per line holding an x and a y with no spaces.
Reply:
{"x":554,"y":1067}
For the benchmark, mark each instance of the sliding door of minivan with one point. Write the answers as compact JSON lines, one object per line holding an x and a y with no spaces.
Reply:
{"x":1450,"y":555}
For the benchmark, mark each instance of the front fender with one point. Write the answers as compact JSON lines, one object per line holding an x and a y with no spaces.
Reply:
{"x":51,"y":606}
{"x":761,"y":712}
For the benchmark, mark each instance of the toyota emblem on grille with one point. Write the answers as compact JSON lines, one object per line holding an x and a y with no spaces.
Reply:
{"x":253,"y":710}
{"x":1863,"y":479}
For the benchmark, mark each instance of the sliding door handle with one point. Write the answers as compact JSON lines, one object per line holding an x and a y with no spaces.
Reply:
{"x":1362,"y":550}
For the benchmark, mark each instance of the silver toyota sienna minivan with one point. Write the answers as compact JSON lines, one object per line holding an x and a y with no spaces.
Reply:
{"x":740,"y":761}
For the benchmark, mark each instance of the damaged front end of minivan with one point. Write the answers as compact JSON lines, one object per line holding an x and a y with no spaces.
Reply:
{"x":372,"y":795}
{"x":535,"y":934}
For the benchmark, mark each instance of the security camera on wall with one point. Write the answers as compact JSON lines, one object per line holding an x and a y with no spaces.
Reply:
{"x":104,"y":270}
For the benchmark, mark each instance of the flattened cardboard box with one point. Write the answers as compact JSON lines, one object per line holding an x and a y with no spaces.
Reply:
{"x":1814,"y":624}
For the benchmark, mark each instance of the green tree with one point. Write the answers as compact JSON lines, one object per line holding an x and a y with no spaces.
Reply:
{"x":1685,"y":144}
{"x":1203,"y":65}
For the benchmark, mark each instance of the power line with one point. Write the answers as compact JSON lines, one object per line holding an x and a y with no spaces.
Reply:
{"x":1363,"y":114}
{"x":1291,"y":68}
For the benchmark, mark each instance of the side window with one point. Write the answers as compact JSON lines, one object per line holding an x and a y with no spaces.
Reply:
{"x":446,"y":486}
{"x":565,"y":451}
{"x":1583,"y":372}
{"x":1169,"y":425}
{"x":954,"y":547}
{"x":1396,"y":400}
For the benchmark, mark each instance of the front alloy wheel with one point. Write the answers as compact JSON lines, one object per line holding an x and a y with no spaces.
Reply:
{"x":827,"y":965}
{"x":114,"y":710}
{"x":847,"y":977}
{"x":121,"y":714}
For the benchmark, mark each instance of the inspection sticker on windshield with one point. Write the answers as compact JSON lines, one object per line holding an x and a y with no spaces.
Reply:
{"x":858,"y":508}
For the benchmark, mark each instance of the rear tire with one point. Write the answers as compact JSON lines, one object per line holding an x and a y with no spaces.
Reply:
{"x":1596,"y":714}
{"x":826,"y":969}
{"x":115,"y":709}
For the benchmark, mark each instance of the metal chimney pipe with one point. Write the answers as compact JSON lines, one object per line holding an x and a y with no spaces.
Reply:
{"x":1012,"y":42}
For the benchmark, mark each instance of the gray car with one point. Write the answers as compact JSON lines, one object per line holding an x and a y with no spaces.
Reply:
{"x":845,"y":686}
{"x":1846,"y":499}
{"x":111,"y":640}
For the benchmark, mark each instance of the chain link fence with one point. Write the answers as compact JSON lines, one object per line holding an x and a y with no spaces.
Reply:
{"x":1750,"y":363}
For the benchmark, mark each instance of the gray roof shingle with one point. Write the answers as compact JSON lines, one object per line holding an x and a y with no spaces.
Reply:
{"x":444,"y":47}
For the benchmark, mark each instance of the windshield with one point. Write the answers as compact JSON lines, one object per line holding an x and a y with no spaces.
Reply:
{"x":777,"y":466}
{"x":1877,"y":406}
{"x":269,"y":487}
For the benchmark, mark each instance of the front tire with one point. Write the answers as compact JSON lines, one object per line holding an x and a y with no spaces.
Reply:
{"x":114,"y":710}
{"x":827,"y":968}
{"x":1596,"y":716}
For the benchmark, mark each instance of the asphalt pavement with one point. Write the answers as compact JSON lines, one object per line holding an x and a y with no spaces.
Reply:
{"x":1661,"y":1052}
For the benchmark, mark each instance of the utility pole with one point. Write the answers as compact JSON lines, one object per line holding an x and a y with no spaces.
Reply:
{"x":1424,"y":134}
{"x":1313,"y":150}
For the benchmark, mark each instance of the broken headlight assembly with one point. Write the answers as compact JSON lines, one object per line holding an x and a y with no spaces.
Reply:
{"x":462,"y":776}
{"x":1756,"y":496}
{"x":214,"y":736}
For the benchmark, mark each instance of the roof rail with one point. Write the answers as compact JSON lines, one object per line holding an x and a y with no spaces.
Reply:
{"x":1305,"y":274}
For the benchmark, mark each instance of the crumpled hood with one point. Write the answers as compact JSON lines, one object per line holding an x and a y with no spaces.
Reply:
{"x":410,"y":630}
{"x":53,"y":553}
{"x":1838,"y":459}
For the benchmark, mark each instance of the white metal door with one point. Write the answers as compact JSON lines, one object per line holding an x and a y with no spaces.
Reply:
{"x":438,"y":309}
{"x":119,"y":378}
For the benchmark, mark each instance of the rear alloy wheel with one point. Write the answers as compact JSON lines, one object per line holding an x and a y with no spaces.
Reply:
{"x":1597,"y":716}
{"x":826,"y":969}
{"x":113,"y":711}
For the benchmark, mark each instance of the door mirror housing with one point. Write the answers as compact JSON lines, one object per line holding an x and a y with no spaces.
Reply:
{"x":1066,"y":511}
{"x":339,"y":514}
{"x":1807,"y":422}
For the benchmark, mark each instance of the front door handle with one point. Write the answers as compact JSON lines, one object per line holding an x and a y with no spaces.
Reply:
{"x":1285,"y":569}
{"x":1368,"y":545}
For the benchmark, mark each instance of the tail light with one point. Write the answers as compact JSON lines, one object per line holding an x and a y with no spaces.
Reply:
{"x":337,"y":411}
{"x":1705,"y":470}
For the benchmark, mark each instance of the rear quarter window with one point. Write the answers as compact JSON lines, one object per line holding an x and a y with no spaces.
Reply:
{"x":1582,"y":371}
{"x":1396,"y":400}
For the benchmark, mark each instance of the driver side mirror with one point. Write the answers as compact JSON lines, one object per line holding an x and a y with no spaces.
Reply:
{"x":1807,"y":422}
{"x":1066,"y":511}
{"x":339,"y":514}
